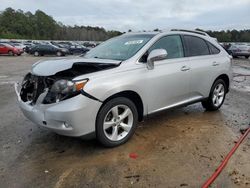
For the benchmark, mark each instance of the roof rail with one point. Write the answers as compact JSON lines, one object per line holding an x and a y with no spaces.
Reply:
{"x":191,"y":31}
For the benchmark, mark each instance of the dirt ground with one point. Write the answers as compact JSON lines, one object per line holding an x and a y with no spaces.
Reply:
{"x":176,"y":148}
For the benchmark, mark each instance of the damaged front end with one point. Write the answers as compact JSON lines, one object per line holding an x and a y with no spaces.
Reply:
{"x":58,"y":87}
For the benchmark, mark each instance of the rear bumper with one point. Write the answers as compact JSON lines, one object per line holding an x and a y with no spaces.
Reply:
{"x":72,"y":117}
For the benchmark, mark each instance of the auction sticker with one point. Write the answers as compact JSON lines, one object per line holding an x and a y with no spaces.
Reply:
{"x":133,"y":42}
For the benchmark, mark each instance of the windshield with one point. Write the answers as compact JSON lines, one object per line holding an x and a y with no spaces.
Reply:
{"x":120,"y":48}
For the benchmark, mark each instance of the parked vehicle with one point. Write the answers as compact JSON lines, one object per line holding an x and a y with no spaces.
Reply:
{"x":239,"y":50}
{"x":89,"y":44}
{"x":107,"y":91}
{"x":18,"y":45}
{"x":47,"y":49}
{"x":28,"y":46}
{"x":78,"y":49}
{"x":8,"y":49}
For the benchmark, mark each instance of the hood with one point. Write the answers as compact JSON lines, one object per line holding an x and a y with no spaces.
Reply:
{"x":53,"y":66}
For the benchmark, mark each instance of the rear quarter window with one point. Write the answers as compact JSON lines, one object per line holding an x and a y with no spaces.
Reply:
{"x":213,"y":50}
{"x":195,"y":46}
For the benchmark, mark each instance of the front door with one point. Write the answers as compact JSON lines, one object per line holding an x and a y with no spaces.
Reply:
{"x":168,"y":82}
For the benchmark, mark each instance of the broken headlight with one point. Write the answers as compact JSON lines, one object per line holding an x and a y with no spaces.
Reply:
{"x":64,"y":89}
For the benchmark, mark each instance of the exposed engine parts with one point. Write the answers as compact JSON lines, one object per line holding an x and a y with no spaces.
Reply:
{"x":59,"y":86}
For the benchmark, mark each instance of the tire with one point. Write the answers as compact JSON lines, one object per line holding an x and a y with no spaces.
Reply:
{"x":216,"y":97}
{"x":118,"y":129}
{"x":11,"y":53}
{"x":59,"y":53}
{"x":247,"y":56}
{"x":36,"y":53}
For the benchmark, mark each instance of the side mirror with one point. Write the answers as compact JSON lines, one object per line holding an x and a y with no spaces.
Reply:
{"x":156,"y":55}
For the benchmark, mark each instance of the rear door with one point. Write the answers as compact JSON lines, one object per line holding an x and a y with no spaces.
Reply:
{"x":168,"y":82}
{"x":49,"y":49}
{"x":204,"y":65}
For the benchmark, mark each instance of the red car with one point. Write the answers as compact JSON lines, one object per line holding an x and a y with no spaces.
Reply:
{"x":8,"y":49}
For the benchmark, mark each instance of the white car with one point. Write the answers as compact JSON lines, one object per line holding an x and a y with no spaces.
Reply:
{"x":107,"y":91}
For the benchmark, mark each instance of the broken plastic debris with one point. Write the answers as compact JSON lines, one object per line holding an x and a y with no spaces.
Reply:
{"x":133,"y":155}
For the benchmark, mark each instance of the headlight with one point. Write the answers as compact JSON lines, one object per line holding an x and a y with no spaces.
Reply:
{"x":64,"y":89}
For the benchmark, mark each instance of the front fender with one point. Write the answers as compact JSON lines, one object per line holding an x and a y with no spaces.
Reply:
{"x":103,"y":91}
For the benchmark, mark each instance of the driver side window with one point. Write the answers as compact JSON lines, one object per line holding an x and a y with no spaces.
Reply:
{"x":172,"y":44}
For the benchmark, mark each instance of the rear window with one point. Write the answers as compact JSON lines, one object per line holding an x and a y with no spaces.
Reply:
{"x":195,"y":46}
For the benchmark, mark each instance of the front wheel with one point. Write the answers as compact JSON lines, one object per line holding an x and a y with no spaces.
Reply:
{"x":216,"y":97}
{"x":116,"y":122}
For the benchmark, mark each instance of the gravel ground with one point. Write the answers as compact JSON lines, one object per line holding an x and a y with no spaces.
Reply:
{"x":175,"y":148}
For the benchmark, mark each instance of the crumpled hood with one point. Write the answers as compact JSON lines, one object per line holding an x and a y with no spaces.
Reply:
{"x":52,"y":66}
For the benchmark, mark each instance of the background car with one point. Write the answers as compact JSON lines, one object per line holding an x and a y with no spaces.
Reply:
{"x":18,"y":45}
{"x":8,"y":49}
{"x":78,"y":49}
{"x":48,"y":49}
{"x":239,"y":50}
{"x":28,"y":46}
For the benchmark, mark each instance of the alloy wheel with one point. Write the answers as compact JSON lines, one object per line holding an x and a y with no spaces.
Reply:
{"x":59,"y":54}
{"x":218,"y":95}
{"x":36,"y":53}
{"x":118,"y":122}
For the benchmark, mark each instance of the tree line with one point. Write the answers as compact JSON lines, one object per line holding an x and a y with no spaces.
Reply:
{"x":17,"y":24}
{"x":231,"y":35}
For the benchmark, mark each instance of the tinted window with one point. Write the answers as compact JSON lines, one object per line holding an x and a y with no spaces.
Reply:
{"x":195,"y":46}
{"x":172,"y":44}
{"x":213,"y":49}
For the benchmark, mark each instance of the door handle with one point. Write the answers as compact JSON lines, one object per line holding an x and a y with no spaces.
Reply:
{"x":215,"y":63}
{"x":184,"y":68}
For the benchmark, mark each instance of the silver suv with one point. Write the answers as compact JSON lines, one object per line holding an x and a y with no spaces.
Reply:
{"x":108,"y":90}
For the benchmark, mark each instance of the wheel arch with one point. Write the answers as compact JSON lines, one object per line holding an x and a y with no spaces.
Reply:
{"x":133,"y":96}
{"x":226,"y":79}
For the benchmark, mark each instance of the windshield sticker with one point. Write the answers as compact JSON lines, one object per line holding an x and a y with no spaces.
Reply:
{"x":132,"y":42}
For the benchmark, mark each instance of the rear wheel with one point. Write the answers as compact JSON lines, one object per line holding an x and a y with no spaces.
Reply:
{"x":36,"y":53}
{"x":247,"y":56}
{"x":59,"y":53}
{"x":216,"y":96}
{"x":116,"y":122}
{"x":11,"y":53}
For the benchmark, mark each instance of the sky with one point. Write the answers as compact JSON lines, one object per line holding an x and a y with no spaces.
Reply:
{"x":139,"y":15}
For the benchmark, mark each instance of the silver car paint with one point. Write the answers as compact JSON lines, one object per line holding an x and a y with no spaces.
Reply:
{"x":172,"y":82}
{"x":50,"y":67}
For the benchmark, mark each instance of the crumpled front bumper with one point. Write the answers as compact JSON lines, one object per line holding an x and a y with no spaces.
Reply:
{"x":72,"y":117}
